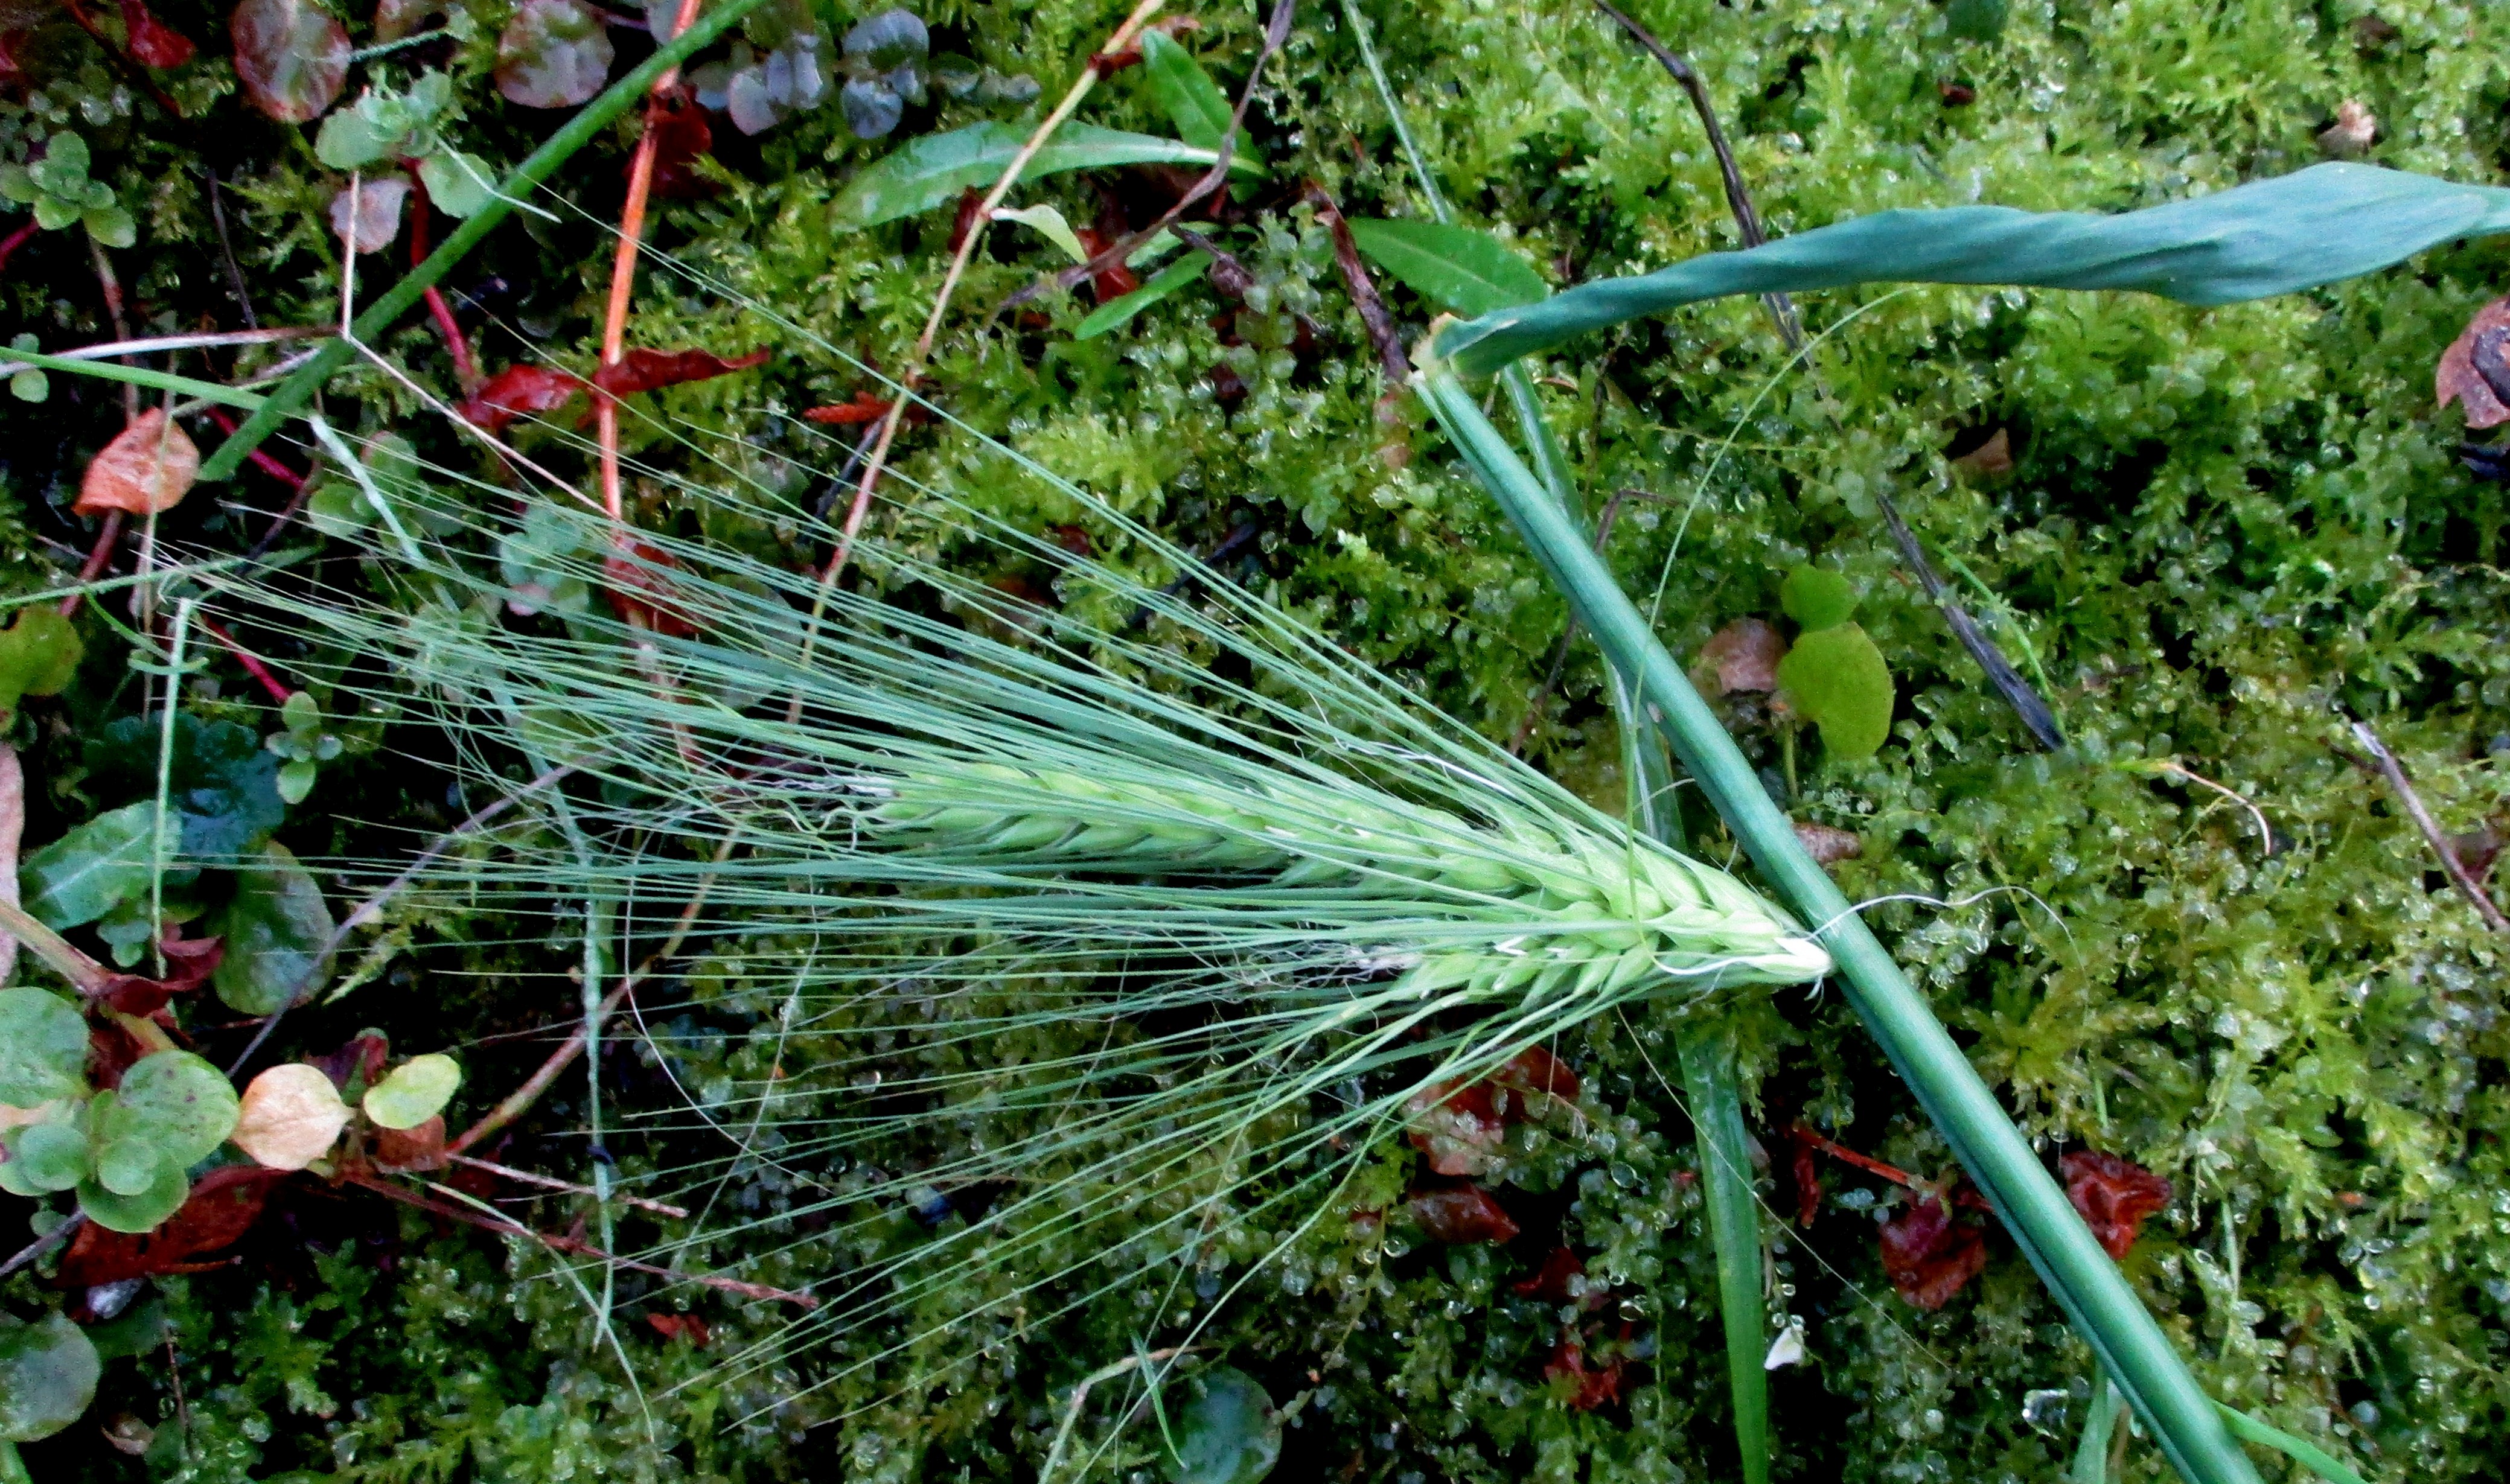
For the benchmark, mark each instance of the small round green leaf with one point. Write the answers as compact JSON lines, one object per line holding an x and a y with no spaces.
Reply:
{"x":1816,"y":598}
{"x":48,"y":1375}
{"x":128,"y":1166}
{"x":51,"y":1156}
{"x":176,"y":1102}
{"x":143,"y":1212}
{"x":1836,"y":678}
{"x":1226,"y":1434}
{"x":43,"y":1048}
{"x":414,"y":1091}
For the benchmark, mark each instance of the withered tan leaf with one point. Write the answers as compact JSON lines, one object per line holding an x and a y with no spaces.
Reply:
{"x":290,"y":1116}
{"x":2457,"y":378}
{"x":148,"y":468}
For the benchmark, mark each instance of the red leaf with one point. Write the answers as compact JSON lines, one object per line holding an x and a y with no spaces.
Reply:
{"x":2114,"y":1194}
{"x":644,"y":370}
{"x":189,"y":963}
{"x":1458,"y":1125}
{"x":2460,"y":377}
{"x":359,"y":1056}
{"x":421,"y":1146}
{"x":152,"y":42}
{"x":971,"y":210}
{"x":1463,"y":1214}
{"x":1550,"y":1281}
{"x":147,"y":467}
{"x":640,"y":594}
{"x":681,"y":1326}
{"x":1588,"y":1389}
{"x":1535,"y":1070}
{"x":520,"y":391}
{"x":1114,"y":283}
{"x":1928,"y":1256}
{"x":223,"y":1206}
{"x":1743,"y":656}
{"x":681,"y":137}
{"x":111,"y":1050}
{"x":291,"y":58}
{"x":864,"y":409}
{"x":1807,"y":1177}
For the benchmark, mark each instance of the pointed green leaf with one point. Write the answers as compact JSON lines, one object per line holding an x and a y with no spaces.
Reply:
{"x":1186,"y":93}
{"x":94,"y":868}
{"x":2268,"y":237}
{"x":1116,"y":312}
{"x":1456,"y":268}
{"x":931,"y":171}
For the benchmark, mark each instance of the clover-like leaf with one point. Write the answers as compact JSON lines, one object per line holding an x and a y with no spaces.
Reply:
{"x":414,"y":1091}
{"x":1227,"y":1432}
{"x":1836,"y":678}
{"x":459,"y":184}
{"x":895,"y":38}
{"x":291,"y":1117}
{"x":1817,"y":598}
{"x":291,"y":58}
{"x":223,"y":787}
{"x":378,"y":207}
{"x":555,"y":54}
{"x":39,"y":654}
{"x":48,"y":1375}
{"x":43,"y":1048}
{"x":275,"y":930}
{"x":50,"y":1157}
{"x":141,"y":1212}
{"x":175,"y":1101}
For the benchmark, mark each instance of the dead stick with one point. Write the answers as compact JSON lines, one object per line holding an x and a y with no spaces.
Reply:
{"x":2468,"y":886}
{"x":552,"y":1182}
{"x":1382,"y":333}
{"x":42,"y":1245}
{"x":575,"y":1246}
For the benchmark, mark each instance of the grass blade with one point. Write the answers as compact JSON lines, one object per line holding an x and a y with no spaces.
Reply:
{"x":2268,"y":237}
{"x":2092,"y":1454}
{"x":1734,"y":1225}
{"x":2086,"y":1284}
{"x":2300,"y":1450}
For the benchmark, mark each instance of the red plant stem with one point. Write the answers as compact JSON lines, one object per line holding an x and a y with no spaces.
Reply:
{"x":14,"y":240}
{"x":260,"y":460}
{"x":253,"y":666}
{"x":465,"y":369}
{"x":1866,"y":1162}
{"x":106,"y":537}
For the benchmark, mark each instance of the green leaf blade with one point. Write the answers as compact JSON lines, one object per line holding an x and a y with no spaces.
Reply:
{"x":1192,"y":100}
{"x":1456,"y":268}
{"x":43,"y":1048}
{"x":2314,"y":226}
{"x":95,"y":867}
{"x":274,"y":927}
{"x":48,"y":1376}
{"x":931,"y":171}
{"x":1115,"y":313}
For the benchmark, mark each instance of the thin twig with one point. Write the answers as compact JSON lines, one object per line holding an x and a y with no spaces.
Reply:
{"x":152,"y":344}
{"x":522,"y":1097}
{"x":107,"y":536}
{"x":505,"y":1226}
{"x":372,"y":907}
{"x":42,"y":1245}
{"x":1381,"y":333}
{"x":2178,"y":769}
{"x":1080,"y":1394}
{"x":2455,"y":869}
{"x":226,"y":252}
{"x":251,"y":661}
{"x":553,"y":1182}
{"x":111,"y":285}
{"x":913,"y":370}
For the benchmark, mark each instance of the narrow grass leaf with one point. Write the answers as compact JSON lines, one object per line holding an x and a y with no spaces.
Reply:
{"x":1115,"y":313}
{"x":1186,"y":93}
{"x":930,"y":171}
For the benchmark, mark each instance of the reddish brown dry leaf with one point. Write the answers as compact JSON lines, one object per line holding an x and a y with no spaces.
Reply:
{"x":864,"y":409}
{"x":1928,"y":1256}
{"x":1808,"y":1174}
{"x":1458,"y":1125}
{"x":12,"y":832}
{"x":1993,"y":457}
{"x":1463,"y":1214}
{"x":153,"y":43}
{"x":223,"y":1206}
{"x":682,"y":137}
{"x":1113,"y":284}
{"x":644,"y":370}
{"x":1743,"y":656}
{"x":1956,"y":94}
{"x":1550,"y":1281}
{"x":362,"y":1056}
{"x":290,"y":55}
{"x":2114,"y":1194}
{"x":972,"y":211}
{"x":111,"y":1050}
{"x":1826,"y":845}
{"x":189,"y":963}
{"x":2459,"y":379}
{"x":149,"y":467}
{"x":640,"y":592}
{"x":520,"y":391}
{"x":2352,"y":133}
{"x":420,"y":1147}
{"x":2476,"y":850}
{"x":681,"y":1326}
{"x":1588,"y":1389}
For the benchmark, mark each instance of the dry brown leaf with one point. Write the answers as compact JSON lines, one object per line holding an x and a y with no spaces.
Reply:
{"x":379,"y":208}
{"x":148,"y":468}
{"x":1993,"y":457}
{"x":291,"y":1117}
{"x":12,"y":830}
{"x":420,"y":1147}
{"x":1826,"y":843}
{"x":2350,"y":136}
{"x":1744,"y":655}
{"x":2458,"y":380}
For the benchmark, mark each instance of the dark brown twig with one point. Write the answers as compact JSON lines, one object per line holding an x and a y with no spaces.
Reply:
{"x":2037,"y":717}
{"x":42,"y":1245}
{"x":226,"y":252}
{"x":1382,"y":333}
{"x":2455,"y":869}
{"x":1277,"y":31}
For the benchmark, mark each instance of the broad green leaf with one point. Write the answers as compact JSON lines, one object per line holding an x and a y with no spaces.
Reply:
{"x":128,"y":1165}
{"x":930,"y":171}
{"x":1226,"y":1434}
{"x":1186,"y":93}
{"x":275,"y":929}
{"x":221,"y":785}
{"x":43,"y":1048}
{"x":143,"y":1212}
{"x":459,"y":184}
{"x":555,"y":54}
{"x":1117,"y":311}
{"x":1836,"y":678}
{"x":48,"y":1375}
{"x":1817,"y":598}
{"x":51,"y":1156}
{"x":414,"y":1091}
{"x":1049,"y":222}
{"x":2268,"y":237}
{"x":94,"y":868}
{"x":175,"y":1101}
{"x":1456,"y":268}
{"x":39,"y":654}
